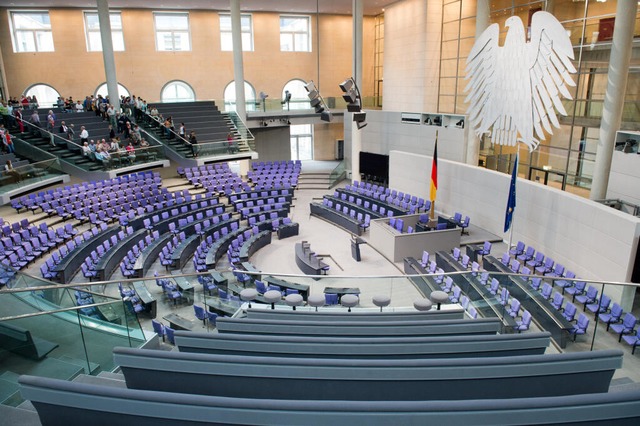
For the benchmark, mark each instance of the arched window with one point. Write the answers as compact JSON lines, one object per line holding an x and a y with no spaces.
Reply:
{"x":177,"y":91}
{"x":230,"y":97}
{"x":102,"y":90}
{"x":46,"y":95}
{"x":299,"y":98}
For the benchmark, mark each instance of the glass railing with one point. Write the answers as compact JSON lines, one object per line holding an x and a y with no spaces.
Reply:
{"x":337,"y":174}
{"x":45,"y":333}
{"x":302,"y":105}
{"x":208,"y":148}
{"x":43,"y":166}
{"x":46,"y":317}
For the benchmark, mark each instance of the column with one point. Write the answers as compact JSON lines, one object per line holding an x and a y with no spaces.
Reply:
{"x":356,"y":137}
{"x":238,"y":65}
{"x":107,"y":53}
{"x":473,"y":141}
{"x":614,"y":96}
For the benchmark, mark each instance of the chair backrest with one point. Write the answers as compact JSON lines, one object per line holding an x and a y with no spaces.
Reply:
{"x":495,"y":284}
{"x":592,"y":292}
{"x":546,"y":290}
{"x":464,"y":302}
{"x":448,"y":281}
{"x":558,"y":300}
{"x":425,"y":257}
{"x":456,"y":291}
{"x":605,"y":301}
{"x":535,"y":282}
{"x":629,"y":320}
{"x":579,"y":286}
{"x":158,"y":327}
{"x":504,"y":294}
{"x":199,"y":312}
{"x":583,"y":322}
{"x":456,"y":253}
{"x":486,"y":248}
{"x":169,"y":332}
{"x":570,"y":311}
{"x":530,"y":252}
{"x":616,"y":312}
{"x":526,"y":318}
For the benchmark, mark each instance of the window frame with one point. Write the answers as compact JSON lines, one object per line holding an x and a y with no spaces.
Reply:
{"x":249,"y":48}
{"x":177,"y":83}
{"x":308,"y":33}
{"x":249,"y":102}
{"x":172,"y":31}
{"x":87,"y":31}
{"x":14,"y":31}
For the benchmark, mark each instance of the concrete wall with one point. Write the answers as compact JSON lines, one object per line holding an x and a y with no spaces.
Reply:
{"x":624,"y":179}
{"x":592,"y":240}
{"x":412,"y":55}
{"x":273,"y":143}
{"x":385,"y":132}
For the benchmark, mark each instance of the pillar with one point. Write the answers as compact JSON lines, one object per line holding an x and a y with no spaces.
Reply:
{"x":107,"y":53}
{"x":614,"y":95}
{"x":238,"y":64}
{"x":356,"y":137}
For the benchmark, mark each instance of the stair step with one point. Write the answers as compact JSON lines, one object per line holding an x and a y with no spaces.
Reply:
{"x":81,"y":363}
{"x":101,"y":381}
{"x":17,"y":416}
{"x":111,"y":375}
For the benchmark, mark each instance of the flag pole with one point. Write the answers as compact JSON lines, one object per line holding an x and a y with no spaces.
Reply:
{"x":432,"y":212}
{"x":513,"y":215}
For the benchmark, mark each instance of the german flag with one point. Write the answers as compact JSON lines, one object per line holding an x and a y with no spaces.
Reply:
{"x":434,"y":174}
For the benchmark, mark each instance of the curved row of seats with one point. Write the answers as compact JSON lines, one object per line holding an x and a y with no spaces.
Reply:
{"x":521,"y":258}
{"x":425,"y":380}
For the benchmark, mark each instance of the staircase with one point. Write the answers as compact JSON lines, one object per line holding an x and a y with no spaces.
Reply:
{"x":314,"y":180}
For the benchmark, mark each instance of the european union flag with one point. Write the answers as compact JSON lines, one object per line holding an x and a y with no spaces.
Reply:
{"x":511,"y":203}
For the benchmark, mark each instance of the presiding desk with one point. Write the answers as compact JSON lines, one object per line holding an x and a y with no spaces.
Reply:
{"x":307,"y":260}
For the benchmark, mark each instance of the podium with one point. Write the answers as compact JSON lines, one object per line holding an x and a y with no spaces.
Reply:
{"x":355,"y":248}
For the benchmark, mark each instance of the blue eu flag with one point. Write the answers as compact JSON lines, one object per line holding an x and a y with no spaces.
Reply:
{"x":511,"y":204}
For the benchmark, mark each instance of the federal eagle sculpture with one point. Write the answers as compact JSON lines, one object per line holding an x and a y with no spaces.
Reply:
{"x":516,"y":89}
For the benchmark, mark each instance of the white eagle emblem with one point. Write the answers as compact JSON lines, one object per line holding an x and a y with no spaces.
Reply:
{"x":517,"y":88}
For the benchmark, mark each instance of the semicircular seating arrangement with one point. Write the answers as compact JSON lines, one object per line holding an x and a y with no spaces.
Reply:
{"x":375,"y":374}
